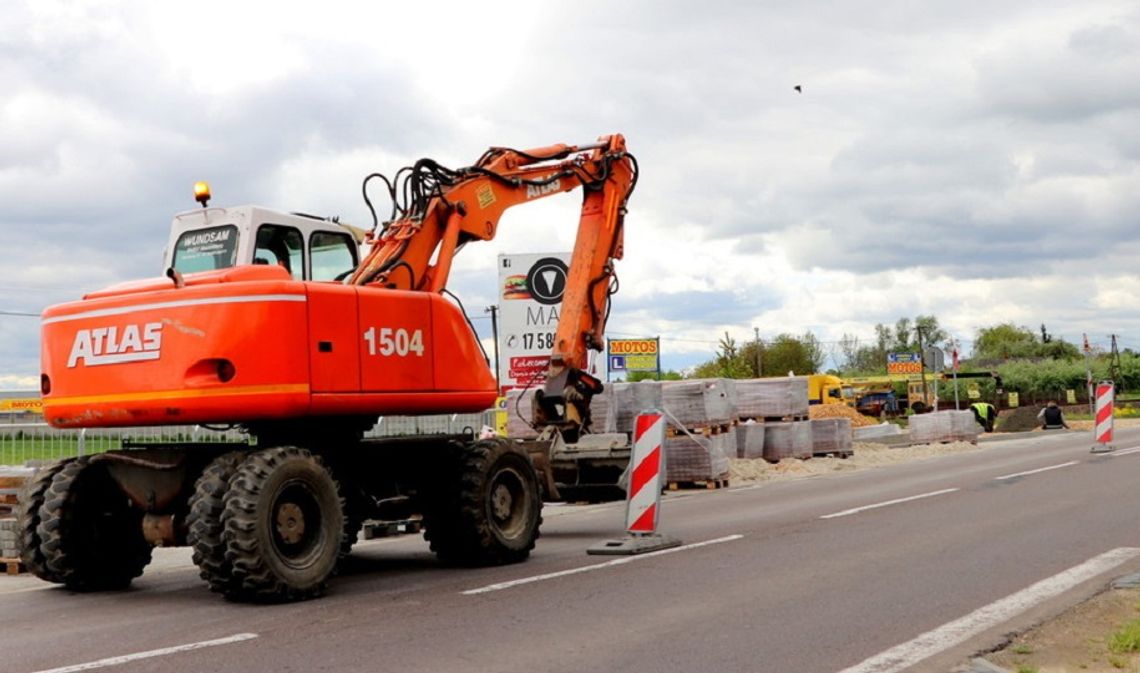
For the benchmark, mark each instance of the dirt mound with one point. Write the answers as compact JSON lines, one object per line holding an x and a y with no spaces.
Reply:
{"x":1021,"y":419}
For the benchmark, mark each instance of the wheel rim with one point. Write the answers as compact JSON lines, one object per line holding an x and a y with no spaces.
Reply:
{"x":295,"y":522}
{"x":507,"y":502}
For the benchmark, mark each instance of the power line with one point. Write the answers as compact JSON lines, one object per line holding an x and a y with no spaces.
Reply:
{"x":20,"y":313}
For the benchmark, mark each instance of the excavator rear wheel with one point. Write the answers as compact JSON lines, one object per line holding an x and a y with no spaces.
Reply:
{"x":283,"y":526}
{"x":205,"y":520}
{"x":486,"y":509}
{"x":91,"y":535}
{"x":28,"y":516}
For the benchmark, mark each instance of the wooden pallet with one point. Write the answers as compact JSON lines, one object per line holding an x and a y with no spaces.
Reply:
{"x":709,"y":484}
{"x":706,"y":431}
{"x":13,"y":566}
{"x":837,"y":454}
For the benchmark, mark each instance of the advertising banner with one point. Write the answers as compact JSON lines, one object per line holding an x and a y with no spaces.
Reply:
{"x":904,"y":363}
{"x":21,"y":405}
{"x":633,"y":355}
{"x":530,"y":298}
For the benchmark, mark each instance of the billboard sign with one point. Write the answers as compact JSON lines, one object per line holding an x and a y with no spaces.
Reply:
{"x":15,"y":405}
{"x":530,"y":298}
{"x":904,"y":363}
{"x":633,"y":355}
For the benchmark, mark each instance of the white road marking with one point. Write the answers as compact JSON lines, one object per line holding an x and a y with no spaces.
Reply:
{"x":954,"y":633}
{"x":126,"y":658}
{"x":1125,"y":452}
{"x":864,"y":508}
{"x":597,"y":566}
{"x":1040,"y":469}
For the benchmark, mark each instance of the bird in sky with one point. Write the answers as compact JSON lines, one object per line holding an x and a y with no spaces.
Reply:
{"x":798,"y":88}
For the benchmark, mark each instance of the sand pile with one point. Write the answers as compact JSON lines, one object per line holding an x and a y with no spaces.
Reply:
{"x":858,"y":420}
{"x":867,"y":455}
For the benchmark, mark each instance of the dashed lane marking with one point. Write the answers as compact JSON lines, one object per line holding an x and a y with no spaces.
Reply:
{"x":1038,"y":470}
{"x":597,"y":566}
{"x":856,"y":510}
{"x":127,"y":658}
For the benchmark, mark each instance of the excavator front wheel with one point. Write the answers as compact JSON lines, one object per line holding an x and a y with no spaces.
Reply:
{"x":91,"y":537}
{"x":283,"y":526}
{"x":204,"y":522}
{"x":484,"y":508}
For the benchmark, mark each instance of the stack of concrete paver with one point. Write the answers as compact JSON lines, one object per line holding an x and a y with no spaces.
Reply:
{"x":520,"y":414}
{"x":943,"y":426}
{"x":627,"y":401}
{"x":700,"y":403}
{"x":787,"y":440}
{"x":750,"y":440}
{"x":772,"y":398}
{"x":9,"y":532}
{"x":690,"y":458}
{"x":831,"y":436}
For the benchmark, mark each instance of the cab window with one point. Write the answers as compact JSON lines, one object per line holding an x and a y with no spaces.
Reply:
{"x":283,"y":246}
{"x":206,"y":249}
{"x":332,"y":254}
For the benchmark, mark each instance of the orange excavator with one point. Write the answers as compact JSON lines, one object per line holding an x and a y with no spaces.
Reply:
{"x":256,"y":325}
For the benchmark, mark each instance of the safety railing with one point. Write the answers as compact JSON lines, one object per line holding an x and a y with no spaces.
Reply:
{"x":22,"y":443}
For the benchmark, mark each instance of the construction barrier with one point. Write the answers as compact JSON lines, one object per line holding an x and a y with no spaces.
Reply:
{"x":645,"y":478}
{"x":1102,"y":426}
{"x":644,"y":498}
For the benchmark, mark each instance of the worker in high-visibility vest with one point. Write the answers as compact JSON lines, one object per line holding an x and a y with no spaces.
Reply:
{"x":985,"y":414}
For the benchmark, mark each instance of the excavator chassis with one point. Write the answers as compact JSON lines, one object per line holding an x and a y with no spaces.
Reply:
{"x":272,"y":523}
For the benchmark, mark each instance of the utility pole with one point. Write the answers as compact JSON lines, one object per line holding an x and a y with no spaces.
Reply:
{"x":756,"y":331}
{"x":1114,"y":367}
{"x":494,"y":310}
{"x":1088,"y":375}
{"x":954,"y":370}
{"x":922,"y":367}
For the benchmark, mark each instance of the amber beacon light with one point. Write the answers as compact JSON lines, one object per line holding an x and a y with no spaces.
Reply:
{"x":202,"y":193}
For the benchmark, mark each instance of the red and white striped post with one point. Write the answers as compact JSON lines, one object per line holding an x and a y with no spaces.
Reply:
{"x":645,"y":478}
{"x":643,"y":505}
{"x":1102,"y":425}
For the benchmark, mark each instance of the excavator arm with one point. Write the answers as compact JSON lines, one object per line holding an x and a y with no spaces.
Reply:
{"x":437,"y":210}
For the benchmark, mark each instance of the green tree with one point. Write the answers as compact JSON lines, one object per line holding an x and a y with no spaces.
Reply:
{"x":729,"y":363}
{"x":787,"y":352}
{"x":1003,"y":342}
{"x":790,"y":353}
{"x":1007,"y":341}
{"x":668,"y":375}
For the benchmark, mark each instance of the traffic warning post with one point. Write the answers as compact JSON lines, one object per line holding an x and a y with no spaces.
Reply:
{"x":643,"y":503}
{"x":1102,"y":425}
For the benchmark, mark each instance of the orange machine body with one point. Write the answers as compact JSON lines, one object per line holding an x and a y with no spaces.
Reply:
{"x":248,"y":344}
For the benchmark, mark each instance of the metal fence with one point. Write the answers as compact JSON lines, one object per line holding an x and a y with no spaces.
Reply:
{"x":21,"y":443}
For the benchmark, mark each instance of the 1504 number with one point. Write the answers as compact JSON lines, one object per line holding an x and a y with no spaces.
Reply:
{"x":398,"y":341}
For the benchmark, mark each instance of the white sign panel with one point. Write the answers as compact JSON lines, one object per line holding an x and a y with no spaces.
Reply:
{"x":530,"y":297}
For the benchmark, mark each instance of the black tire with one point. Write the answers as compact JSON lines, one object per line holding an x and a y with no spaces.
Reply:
{"x":485,"y":506}
{"x":284,"y":523}
{"x":28,"y":516}
{"x":91,"y":534}
{"x":205,"y":520}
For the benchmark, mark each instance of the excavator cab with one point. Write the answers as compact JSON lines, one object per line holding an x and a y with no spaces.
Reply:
{"x":308,"y":247}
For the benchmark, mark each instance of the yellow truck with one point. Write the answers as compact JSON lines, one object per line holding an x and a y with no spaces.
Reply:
{"x":828,"y":389}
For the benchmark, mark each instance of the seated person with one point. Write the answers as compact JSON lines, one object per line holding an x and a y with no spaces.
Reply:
{"x":1052,"y":417}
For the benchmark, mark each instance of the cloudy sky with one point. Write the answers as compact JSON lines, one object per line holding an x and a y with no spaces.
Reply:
{"x":975,"y":160}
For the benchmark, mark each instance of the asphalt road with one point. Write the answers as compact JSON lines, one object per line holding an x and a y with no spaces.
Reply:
{"x":818,"y":575}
